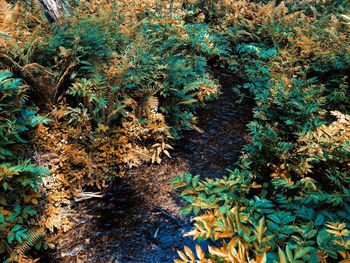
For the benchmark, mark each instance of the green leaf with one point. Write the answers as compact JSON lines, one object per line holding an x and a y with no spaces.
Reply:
{"x":186,"y":210}
{"x":16,"y":228}
{"x":274,"y":218}
{"x":20,"y":235}
{"x":195,"y":181}
{"x":289,"y":254}
{"x":301,"y":252}
{"x":319,"y":220}
{"x":10,"y":237}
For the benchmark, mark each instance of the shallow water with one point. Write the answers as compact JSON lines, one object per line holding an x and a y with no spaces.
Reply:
{"x":138,"y":220}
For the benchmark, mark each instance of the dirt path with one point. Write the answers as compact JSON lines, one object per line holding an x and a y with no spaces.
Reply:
{"x":139,"y":220}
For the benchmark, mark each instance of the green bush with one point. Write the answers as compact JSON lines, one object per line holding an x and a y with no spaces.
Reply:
{"x":288,"y":199}
{"x":173,"y":63}
{"x":84,"y":38}
{"x":19,"y":179}
{"x":164,"y":59}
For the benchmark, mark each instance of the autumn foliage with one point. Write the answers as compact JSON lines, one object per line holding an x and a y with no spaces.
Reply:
{"x":112,"y":86}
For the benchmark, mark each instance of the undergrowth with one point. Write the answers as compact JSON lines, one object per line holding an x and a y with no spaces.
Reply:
{"x":287,"y":200}
{"x":19,"y":178}
{"x":118,"y":87}
{"x":121,"y":80}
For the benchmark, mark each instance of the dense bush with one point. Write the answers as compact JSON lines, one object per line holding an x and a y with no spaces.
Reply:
{"x":287,"y":201}
{"x":19,"y":178}
{"x":173,"y":66}
{"x":121,"y":109}
{"x":128,"y":109}
{"x":88,"y":37}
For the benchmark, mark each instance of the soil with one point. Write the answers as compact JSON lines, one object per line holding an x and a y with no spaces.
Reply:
{"x":138,"y":219}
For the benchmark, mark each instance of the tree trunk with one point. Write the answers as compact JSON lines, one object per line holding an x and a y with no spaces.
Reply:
{"x":55,"y":9}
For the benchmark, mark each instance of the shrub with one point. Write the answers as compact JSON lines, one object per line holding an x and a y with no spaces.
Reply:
{"x":287,"y":200}
{"x":177,"y":53}
{"x":19,"y":179}
{"x":85,"y":38}
{"x":125,"y":112}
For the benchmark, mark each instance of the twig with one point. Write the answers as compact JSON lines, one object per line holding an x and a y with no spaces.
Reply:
{"x":63,"y":77}
{"x":36,"y":19}
{"x":37,"y":66}
{"x":10,"y":62}
{"x":88,"y":195}
{"x":30,"y":49}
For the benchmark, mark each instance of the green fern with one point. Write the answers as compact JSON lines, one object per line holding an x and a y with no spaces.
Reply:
{"x":19,"y":179}
{"x":33,"y":236}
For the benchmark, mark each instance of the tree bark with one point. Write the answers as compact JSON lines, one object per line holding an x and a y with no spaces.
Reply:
{"x":55,"y":9}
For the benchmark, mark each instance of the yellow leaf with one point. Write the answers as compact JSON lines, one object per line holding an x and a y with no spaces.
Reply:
{"x":168,"y":146}
{"x":63,"y":51}
{"x":51,"y":245}
{"x":182,"y":256}
{"x":185,"y":102}
{"x":158,"y":159}
{"x":199,"y":252}
{"x":167,"y":153}
{"x":154,"y":155}
{"x":189,"y":253}
{"x":217,"y":252}
{"x":156,"y":145}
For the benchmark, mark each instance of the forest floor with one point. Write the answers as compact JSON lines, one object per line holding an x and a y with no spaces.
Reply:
{"x":138,"y":219}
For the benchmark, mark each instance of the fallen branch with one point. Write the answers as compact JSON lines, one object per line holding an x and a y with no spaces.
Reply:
{"x":87,"y":195}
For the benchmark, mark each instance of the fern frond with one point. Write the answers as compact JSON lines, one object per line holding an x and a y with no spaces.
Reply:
{"x":33,"y":236}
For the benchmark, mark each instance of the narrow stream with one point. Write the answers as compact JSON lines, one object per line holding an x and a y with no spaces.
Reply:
{"x":138,"y":220}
